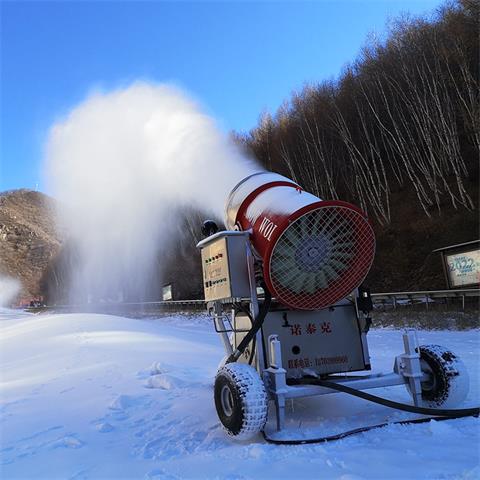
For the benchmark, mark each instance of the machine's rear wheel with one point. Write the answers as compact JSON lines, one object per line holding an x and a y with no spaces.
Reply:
{"x":240,"y":400}
{"x":448,"y":383}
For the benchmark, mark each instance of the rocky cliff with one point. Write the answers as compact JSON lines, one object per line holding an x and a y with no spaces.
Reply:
{"x":29,"y":238}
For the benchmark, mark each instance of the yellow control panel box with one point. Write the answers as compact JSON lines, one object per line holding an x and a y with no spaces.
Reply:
{"x":224,"y":264}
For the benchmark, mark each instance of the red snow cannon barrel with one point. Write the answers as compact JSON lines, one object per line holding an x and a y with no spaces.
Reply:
{"x":314,"y":252}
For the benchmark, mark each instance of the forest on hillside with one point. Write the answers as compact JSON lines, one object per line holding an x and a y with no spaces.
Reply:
{"x":397,"y":133}
{"x":404,"y":114}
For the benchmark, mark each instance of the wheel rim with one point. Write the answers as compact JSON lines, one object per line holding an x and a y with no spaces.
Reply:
{"x":226,"y":400}
{"x":431,"y":384}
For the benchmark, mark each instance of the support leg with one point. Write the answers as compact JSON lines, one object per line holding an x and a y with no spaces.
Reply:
{"x":276,"y":380}
{"x":280,"y":411}
{"x":409,"y":365}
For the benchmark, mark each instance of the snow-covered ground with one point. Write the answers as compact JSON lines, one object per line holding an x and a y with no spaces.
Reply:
{"x":97,"y":396}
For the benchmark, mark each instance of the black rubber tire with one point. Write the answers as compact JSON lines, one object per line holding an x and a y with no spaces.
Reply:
{"x":222,"y":363}
{"x":449,"y":381}
{"x":240,"y":400}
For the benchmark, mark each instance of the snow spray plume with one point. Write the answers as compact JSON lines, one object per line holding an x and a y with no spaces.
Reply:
{"x":9,"y":289}
{"x":123,"y":164}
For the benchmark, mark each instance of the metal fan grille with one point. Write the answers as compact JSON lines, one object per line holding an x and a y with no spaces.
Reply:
{"x":322,"y":257}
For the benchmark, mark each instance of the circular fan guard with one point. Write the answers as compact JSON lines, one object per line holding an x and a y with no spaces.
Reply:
{"x":321,"y":257}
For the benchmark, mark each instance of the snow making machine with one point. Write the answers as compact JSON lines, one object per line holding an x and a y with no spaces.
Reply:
{"x":283,"y":285}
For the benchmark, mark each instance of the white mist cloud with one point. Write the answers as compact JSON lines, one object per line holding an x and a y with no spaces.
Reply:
{"x":9,"y":289}
{"x":122,"y":164}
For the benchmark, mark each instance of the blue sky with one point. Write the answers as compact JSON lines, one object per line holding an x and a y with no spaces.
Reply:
{"x":237,"y":58}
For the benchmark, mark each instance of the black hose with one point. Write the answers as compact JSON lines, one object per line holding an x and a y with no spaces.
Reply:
{"x":256,"y":325}
{"x":436,"y":414}
{"x":355,"y":431}
{"x":456,"y":413}
{"x":254,"y":341}
{"x":252,"y":353}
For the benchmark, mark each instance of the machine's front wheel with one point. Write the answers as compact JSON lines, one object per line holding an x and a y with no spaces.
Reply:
{"x":240,"y":400}
{"x":448,"y":383}
{"x":222,"y":363}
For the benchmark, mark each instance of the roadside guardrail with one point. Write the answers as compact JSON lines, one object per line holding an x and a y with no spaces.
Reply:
{"x":393,"y":299}
{"x":425,"y":296}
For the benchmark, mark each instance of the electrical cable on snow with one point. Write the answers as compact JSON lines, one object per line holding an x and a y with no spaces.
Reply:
{"x":348,"y":433}
{"x":436,"y":414}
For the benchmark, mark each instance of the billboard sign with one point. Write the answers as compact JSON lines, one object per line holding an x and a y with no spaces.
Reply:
{"x":463,"y":268}
{"x":167,"y":293}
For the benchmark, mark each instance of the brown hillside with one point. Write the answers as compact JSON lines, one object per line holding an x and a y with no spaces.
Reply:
{"x":28,"y":237}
